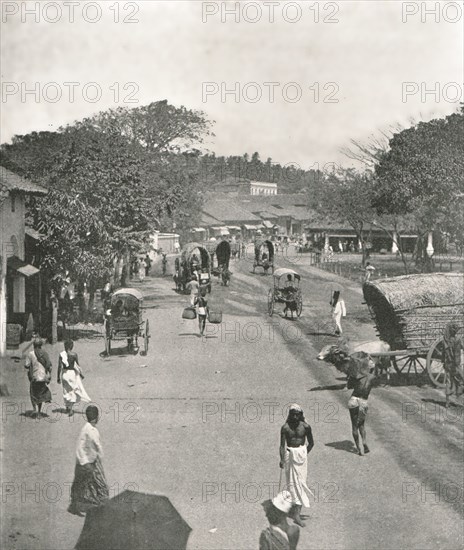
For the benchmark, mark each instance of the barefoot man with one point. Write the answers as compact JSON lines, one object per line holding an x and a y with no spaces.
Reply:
{"x":296,"y":441}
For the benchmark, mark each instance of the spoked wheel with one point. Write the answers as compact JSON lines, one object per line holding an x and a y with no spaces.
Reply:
{"x":299,"y":304}
{"x":411,"y":364}
{"x":435,"y":367}
{"x":254,"y":267}
{"x":146,"y":338}
{"x":270,"y":302}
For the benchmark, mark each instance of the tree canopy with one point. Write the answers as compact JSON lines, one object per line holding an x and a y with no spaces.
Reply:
{"x":111,"y":179}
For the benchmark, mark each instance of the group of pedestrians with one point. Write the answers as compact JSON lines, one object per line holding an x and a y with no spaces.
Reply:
{"x":39,"y":373}
{"x":89,"y":487}
{"x":141,"y":267}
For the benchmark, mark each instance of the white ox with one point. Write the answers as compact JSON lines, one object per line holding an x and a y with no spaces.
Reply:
{"x":339,"y":354}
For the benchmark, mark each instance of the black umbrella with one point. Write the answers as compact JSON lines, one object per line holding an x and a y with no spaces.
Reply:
{"x":134,"y":521}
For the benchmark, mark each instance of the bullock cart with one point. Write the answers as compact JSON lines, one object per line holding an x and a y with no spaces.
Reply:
{"x":195,"y":260}
{"x":264,"y":255}
{"x":410,"y":313}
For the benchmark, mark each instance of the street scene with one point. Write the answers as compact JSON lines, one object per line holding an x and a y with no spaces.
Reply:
{"x":215,"y":339}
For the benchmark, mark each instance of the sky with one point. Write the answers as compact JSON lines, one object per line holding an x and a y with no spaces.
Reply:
{"x":306,"y":78}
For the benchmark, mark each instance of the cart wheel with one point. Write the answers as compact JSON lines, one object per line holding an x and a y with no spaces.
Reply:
{"x":270,"y":302}
{"x":299,"y":305}
{"x":411,"y":365}
{"x":107,"y":345}
{"x":272,"y":270}
{"x":435,"y":367}
{"x":146,"y":338}
{"x":254,"y":267}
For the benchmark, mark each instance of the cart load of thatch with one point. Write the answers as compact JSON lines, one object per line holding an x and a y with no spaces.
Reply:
{"x":411,"y":312}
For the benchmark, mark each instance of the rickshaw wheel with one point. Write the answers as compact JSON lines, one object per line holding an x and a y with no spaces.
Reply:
{"x":146,"y":338}
{"x":299,"y":305}
{"x":270,"y":302}
{"x":435,"y":367}
{"x":272,"y":269}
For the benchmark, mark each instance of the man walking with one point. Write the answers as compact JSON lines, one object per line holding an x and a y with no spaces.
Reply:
{"x":147,"y":265}
{"x":294,"y":459}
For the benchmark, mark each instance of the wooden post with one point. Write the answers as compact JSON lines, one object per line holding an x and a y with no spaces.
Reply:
{"x":326,"y":243}
{"x":54,"y":304}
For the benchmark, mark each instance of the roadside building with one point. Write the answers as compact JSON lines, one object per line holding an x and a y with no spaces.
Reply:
{"x":19,"y":280}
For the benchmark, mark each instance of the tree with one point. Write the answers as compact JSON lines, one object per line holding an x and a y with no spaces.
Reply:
{"x":346,"y":196}
{"x":159,"y":127}
{"x":97,"y":208}
{"x":422,"y":174}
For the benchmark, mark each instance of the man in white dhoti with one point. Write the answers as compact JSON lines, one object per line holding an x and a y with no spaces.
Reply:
{"x":70,"y":373}
{"x":296,"y":441}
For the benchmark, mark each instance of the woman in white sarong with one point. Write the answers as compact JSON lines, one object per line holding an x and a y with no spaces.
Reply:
{"x":70,"y":373}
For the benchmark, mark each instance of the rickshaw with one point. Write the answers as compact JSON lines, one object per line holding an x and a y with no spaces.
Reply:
{"x":195,"y":258}
{"x":124,"y":321}
{"x":286,"y":291}
{"x":264,"y":255}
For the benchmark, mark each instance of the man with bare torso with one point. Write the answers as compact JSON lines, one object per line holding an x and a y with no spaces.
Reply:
{"x":296,"y":441}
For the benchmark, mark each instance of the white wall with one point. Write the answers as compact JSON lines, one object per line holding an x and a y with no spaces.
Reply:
{"x":11,"y":225}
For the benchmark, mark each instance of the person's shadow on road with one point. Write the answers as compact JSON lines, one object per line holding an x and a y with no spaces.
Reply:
{"x":345,"y":445}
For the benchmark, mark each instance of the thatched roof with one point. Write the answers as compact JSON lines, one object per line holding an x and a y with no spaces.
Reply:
{"x":412,"y":311}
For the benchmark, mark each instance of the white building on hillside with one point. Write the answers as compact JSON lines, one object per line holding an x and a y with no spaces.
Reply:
{"x":263,"y":188}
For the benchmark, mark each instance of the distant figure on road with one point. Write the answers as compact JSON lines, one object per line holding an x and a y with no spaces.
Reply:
{"x":202,"y":312}
{"x":193,"y":287}
{"x":164,"y":263}
{"x":177,"y":247}
{"x":89,"y":488}
{"x":147,"y":265}
{"x":294,"y":459}
{"x":142,"y":266}
{"x":279,"y":535}
{"x":369,"y":269}
{"x":360,"y":379}
{"x":70,"y":373}
{"x":338,"y":311}
{"x":39,"y":372}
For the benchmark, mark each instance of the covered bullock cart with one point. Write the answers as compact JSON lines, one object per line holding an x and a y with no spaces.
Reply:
{"x":264,"y":255}
{"x":195,"y":260}
{"x":411,"y":312}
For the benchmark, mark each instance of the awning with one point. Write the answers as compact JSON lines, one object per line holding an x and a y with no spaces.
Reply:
{"x":21,"y":267}
{"x":198,"y":229}
{"x":34,"y":234}
{"x":234,"y":227}
{"x":342,"y":235}
{"x":224,"y":231}
{"x":251,"y":227}
{"x":268,"y":224}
